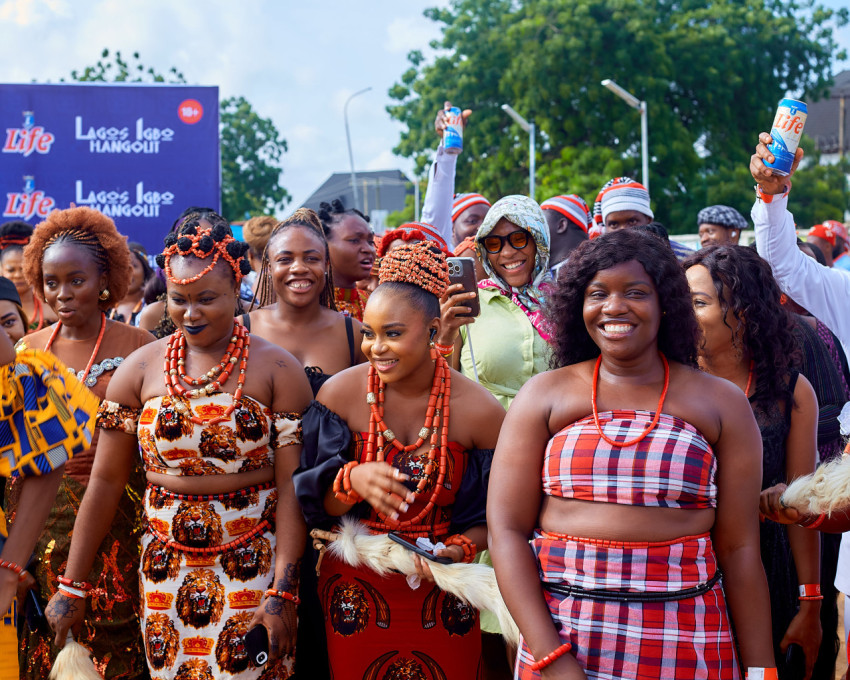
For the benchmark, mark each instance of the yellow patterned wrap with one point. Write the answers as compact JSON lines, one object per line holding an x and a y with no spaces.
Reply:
{"x":46,"y":415}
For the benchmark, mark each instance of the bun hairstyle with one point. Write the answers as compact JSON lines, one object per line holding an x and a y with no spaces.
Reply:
{"x":257,"y":232}
{"x":212,"y":242}
{"x":303,"y":218}
{"x":330,"y":213}
{"x":91,"y":230}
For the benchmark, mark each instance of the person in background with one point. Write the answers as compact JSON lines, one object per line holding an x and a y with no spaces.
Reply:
{"x":720,"y":225}
{"x":411,"y":232}
{"x":13,"y":318}
{"x":569,"y":219}
{"x":128,"y":309}
{"x":256,"y":232}
{"x":822,"y":237}
{"x":13,"y":237}
{"x":352,"y":250}
{"x":78,"y":263}
{"x":622,"y":203}
{"x":453,"y":216}
{"x":748,"y":340}
{"x":840,"y":254}
{"x":632,"y":473}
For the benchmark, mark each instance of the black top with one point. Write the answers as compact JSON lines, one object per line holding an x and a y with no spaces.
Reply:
{"x":328,"y":445}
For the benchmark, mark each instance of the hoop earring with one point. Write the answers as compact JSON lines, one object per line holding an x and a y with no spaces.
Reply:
{"x":104,"y":295}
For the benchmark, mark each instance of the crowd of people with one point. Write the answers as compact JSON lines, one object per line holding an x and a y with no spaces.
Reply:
{"x":511,"y":440}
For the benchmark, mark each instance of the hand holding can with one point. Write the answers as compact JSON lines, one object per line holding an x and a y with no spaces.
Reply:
{"x":786,"y":131}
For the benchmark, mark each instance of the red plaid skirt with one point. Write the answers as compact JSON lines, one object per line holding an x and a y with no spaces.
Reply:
{"x":687,"y":638}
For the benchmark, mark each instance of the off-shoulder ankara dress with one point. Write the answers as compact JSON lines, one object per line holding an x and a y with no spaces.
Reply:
{"x":206,"y":559}
{"x":380,"y":627}
{"x":111,"y":627}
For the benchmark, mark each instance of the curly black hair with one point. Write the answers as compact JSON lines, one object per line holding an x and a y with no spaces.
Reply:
{"x":746,"y":287}
{"x":330,"y":214}
{"x":678,"y":333}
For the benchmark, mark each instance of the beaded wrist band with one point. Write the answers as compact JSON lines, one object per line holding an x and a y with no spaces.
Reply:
{"x":808,"y":523}
{"x":342,"y":485}
{"x":755,"y":673}
{"x":467,"y":545}
{"x":810,"y":591}
{"x":17,"y":568}
{"x":768,"y":198}
{"x":271,"y":592}
{"x":74,"y":593}
{"x":79,"y":585}
{"x":445,"y":350}
{"x":552,"y":657}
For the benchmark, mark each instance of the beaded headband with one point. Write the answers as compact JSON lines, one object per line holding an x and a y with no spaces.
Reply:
{"x":420,"y":264}
{"x":204,"y":242}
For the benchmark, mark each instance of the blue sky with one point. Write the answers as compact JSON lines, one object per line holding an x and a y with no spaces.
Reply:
{"x":296,"y":63}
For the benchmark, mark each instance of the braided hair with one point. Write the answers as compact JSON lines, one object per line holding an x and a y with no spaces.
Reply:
{"x":417,"y":271}
{"x":330,"y":213}
{"x":303,"y":218}
{"x":89,"y":229}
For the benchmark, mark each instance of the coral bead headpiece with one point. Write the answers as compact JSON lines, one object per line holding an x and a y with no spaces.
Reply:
{"x":421,"y":264}
{"x":204,"y":243}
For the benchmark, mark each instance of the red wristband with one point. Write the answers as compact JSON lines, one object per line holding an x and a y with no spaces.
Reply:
{"x":768,"y":198}
{"x":271,"y":592}
{"x":17,"y":568}
{"x":79,"y":585}
{"x":810,"y":591}
{"x":755,"y":673}
{"x":551,"y":657}
{"x":342,"y":485}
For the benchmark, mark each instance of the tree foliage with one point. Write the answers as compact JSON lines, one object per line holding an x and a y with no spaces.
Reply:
{"x":251,"y":146}
{"x":711,"y":72}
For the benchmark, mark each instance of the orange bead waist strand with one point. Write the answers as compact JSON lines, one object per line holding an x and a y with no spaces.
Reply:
{"x":436,"y":426}
{"x":652,"y":425}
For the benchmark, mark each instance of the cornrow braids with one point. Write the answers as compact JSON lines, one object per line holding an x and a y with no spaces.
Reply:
{"x":214,"y":243}
{"x":86,"y":228}
{"x":330,"y":213}
{"x":303,"y":218}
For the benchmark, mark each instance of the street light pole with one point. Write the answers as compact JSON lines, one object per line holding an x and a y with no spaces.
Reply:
{"x":527,"y":126}
{"x":635,"y":103}
{"x":350,"y":153}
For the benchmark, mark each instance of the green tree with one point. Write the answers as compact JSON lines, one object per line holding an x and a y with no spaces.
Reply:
{"x":710,"y":70}
{"x":251,"y":146}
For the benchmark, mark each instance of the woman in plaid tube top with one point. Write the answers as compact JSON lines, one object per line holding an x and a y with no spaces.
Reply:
{"x":649,"y":490}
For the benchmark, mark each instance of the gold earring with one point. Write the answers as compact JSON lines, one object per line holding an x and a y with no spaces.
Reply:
{"x":104,"y":295}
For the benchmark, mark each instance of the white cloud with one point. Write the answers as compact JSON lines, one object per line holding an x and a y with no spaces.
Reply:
{"x":385,"y":160}
{"x":410,"y":33}
{"x":25,"y":13}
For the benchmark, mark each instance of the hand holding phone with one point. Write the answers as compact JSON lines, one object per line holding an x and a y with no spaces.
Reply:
{"x":462,"y":270}
{"x":257,"y":645}
{"x":410,"y":544}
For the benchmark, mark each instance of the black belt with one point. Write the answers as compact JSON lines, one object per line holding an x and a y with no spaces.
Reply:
{"x":631,"y":596}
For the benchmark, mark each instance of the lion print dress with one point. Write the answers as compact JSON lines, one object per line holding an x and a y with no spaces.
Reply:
{"x":206,"y":560}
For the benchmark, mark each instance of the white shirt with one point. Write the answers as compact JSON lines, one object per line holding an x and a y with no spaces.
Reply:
{"x":439,"y":196}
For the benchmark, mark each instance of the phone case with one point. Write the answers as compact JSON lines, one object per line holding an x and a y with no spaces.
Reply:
{"x":462,"y":270}
{"x":257,"y":644}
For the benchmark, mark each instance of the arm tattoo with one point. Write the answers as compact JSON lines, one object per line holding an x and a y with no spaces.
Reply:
{"x":143,"y":364}
{"x":280,"y":363}
{"x":274,"y":606}
{"x":289,"y":581}
{"x":63,"y":608}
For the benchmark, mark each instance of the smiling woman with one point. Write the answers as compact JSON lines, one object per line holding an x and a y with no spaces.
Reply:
{"x":633,"y":473}
{"x":220,"y":438}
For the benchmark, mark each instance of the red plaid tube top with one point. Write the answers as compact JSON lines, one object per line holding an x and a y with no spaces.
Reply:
{"x":672,"y":467}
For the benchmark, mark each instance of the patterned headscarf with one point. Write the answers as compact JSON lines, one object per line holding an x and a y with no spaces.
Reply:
{"x":526,"y":214}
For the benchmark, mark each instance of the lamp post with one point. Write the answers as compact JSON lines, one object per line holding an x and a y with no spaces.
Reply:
{"x":528,"y":126}
{"x":350,"y":153}
{"x":635,"y":103}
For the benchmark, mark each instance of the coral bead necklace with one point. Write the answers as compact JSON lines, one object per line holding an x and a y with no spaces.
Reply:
{"x":82,"y":377}
{"x":650,"y":428}
{"x":212,"y":380}
{"x":436,"y":425}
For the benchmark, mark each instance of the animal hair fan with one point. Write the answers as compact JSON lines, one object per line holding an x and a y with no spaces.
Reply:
{"x":73,"y":662}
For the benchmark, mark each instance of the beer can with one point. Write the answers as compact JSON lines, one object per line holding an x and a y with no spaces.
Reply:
{"x":786,"y":131}
{"x":453,"y":134}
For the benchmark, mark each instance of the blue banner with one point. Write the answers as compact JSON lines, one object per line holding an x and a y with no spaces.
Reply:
{"x":138,"y":153}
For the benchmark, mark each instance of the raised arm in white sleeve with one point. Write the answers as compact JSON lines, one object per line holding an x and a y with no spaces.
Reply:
{"x":823,"y":291}
{"x":437,"y":208}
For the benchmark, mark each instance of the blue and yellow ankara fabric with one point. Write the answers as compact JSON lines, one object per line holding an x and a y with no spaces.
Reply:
{"x":46,"y":415}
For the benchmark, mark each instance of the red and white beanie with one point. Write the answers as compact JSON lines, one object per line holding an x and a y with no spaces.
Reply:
{"x":572,"y":207}
{"x":621,"y":193}
{"x":464,"y":201}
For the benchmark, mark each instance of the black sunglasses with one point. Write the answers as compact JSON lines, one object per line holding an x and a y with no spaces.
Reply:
{"x":518,"y":239}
